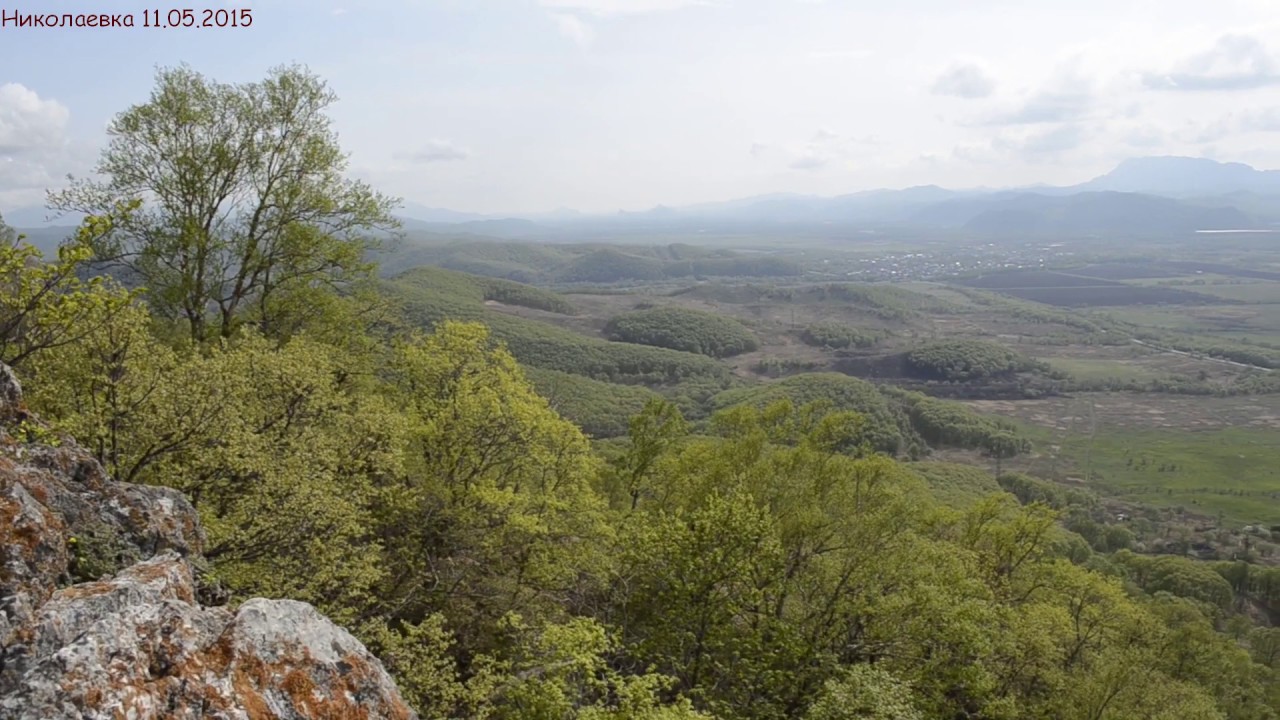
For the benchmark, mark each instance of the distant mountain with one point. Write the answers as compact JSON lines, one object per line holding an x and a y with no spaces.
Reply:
{"x":46,"y":239}
{"x":1142,"y":196}
{"x":1266,"y":208}
{"x":1184,"y":177}
{"x":423,"y":213}
{"x":871,"y":206}
{"x":36,"y":217}
{"x":1101,"y":213}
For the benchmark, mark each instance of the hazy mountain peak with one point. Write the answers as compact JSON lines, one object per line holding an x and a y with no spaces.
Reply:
{"x":1184,"y":177}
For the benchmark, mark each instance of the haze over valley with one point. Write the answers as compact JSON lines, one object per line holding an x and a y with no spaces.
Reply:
{"x":640,"y":360}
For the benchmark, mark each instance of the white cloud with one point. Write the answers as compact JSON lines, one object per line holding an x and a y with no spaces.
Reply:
{"x":574,"y":28}
{"x":1260,"y":120}
{"x":824,"y":148}
{"x":437,"y":150}
{"x":1146,"y":136}
{"x":809,"y":161}
{"x":625,"y":7}
{"x":29,"y":124}
{"x":841,"y":54}
{"x":33,"y":144}
{"x":1234,"y":62}
{"x":1069,"y":94}
{"x":1048,"y":142}
{"x":965,"y":80}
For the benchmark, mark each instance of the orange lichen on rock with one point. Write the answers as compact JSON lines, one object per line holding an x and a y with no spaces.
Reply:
{"x":136,"y":644}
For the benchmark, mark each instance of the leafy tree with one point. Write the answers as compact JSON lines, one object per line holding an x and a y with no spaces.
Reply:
{"x":882,"y":427}
{"x":8,"y":236}
{"x":496,"y":512}
{"x":242,"y":194}
{"x":601,"y":409}
{"x":45,"y":306}
{"x":865,"y":693}
{"x":1002,"y":446}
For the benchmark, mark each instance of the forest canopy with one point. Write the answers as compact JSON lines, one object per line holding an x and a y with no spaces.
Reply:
{"x":683,"y":329}
{"x":381,"y":453}
{"x":962,"y":360}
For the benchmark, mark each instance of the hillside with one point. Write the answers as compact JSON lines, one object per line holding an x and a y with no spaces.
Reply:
{"x":578,"y":263}
{"x":883,"y":473}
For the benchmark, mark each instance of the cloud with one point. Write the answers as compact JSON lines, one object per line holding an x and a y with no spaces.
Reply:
{"x":1145,"y":137}
{"x":30,"y":125}
{"x":574,"y":28}
{"x":1260,"y":120}
{"x":1067,"y":96}
{"x":34,"y":148}
{"x":1235,"y":62}
{"x":1207,"y":132}
{"x":1047,"y":106}
{"x":437,"y":151}
{"x":964,"y":80}
{"x":823,"y":148}
{"x":841,"y":54}
{"x":1051,"y":142}
{"x":808,"y":161}
{"x":1025,"y":145}
{"x":626,"y":7}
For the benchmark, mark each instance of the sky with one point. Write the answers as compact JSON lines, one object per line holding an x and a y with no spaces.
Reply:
{"x":526,"y":106}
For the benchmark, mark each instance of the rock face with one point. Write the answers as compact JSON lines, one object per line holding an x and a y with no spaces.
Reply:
{"x":99,"y":616}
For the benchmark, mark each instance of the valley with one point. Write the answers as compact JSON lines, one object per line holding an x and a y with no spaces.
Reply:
{"x":1137,"y":364}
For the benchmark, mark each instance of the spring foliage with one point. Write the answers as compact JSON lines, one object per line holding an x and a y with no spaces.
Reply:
{"x":683,"y":329}
{"x":416,"y":487}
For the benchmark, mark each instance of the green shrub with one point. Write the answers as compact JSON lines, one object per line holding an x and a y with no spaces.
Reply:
{"x":837,"y":336}
{"x":961,"y":360}
{"x":683,"y":329}
{"x":601,"y":409}
{"x":883,"y":430}
{"x":948,"y":423}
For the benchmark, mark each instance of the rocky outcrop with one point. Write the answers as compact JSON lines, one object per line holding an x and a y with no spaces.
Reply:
{"x":99,"y":609}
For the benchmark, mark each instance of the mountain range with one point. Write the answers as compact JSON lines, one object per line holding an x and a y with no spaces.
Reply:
{"x":1141,"y":197}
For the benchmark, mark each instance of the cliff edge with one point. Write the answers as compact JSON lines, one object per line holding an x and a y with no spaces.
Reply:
{"x":101,"y":612}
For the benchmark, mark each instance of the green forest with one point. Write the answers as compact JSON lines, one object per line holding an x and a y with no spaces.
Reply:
{"x":407,"y":460}
{"x":683,"y":329}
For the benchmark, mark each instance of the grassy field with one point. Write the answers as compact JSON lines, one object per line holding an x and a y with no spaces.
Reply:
{"x":1101,"y":369}
{"x":1208,"y":456}
{"x":1253,"y":322}
{"x":1261,"y":292}
{"x":1232,"y":472}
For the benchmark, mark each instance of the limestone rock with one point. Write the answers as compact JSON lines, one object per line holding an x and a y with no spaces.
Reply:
{"x":138,"y":645}
{"x":99,"y":610}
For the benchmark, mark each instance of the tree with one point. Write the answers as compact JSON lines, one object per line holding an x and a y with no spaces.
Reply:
{"x":243,"y":199}
{"x":1003,"y":445}
{"x":496,"y":512}
{"x":865,"y":693}
{"x":8,"y":236}
{"x":45,"y":305}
